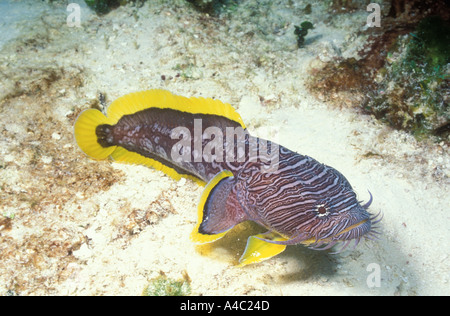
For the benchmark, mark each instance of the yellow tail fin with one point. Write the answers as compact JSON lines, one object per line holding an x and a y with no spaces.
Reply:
{"x":85,"y":135}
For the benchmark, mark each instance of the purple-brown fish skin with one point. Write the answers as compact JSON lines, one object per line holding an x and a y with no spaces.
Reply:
{"x":301,"y":200}
{"x":293,"y":196}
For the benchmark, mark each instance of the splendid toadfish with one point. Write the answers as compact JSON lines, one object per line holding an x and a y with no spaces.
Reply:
{"x":246,"y":178}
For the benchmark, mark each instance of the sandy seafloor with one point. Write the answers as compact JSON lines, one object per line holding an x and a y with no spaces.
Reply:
{"x":73,"y":226}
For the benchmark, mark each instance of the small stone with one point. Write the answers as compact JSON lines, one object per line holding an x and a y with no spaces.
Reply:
{"x":46,"y":159}
{"x":56,"y":136}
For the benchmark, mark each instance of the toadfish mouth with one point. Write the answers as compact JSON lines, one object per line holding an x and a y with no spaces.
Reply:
{"x":365,"y":228}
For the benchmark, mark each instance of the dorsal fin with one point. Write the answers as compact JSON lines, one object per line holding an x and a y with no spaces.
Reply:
{"x":138,"y":101}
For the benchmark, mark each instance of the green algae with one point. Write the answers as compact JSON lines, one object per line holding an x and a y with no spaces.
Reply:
{"x":413,"y":92}
{"x":163,"y":286}
{"x":301,"y":31}
{"x":213,"y":6}
{"x":402,"y":78}
{"x":102,"y":7}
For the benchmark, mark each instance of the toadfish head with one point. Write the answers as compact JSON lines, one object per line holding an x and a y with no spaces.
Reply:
{"x":319,"y":212}
{"x":339,"y":220}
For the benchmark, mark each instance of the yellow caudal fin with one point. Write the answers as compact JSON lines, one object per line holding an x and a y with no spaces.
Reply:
{"x":85,"y":136}
{"x":203,"y":238}
{"x":258,"y":250}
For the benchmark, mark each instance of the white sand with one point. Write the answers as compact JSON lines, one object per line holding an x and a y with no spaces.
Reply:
{"x":129,"y":50}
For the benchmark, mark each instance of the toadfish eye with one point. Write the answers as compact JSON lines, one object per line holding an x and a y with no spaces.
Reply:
{"x":322,"y":210}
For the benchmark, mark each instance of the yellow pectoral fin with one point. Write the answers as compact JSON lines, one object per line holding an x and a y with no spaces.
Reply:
{"x":200,"y":239}
{"x":196,"y":236}
{"x":258,"y":250}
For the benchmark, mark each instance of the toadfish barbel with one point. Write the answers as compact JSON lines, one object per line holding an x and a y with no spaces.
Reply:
{"x":246,"y":178}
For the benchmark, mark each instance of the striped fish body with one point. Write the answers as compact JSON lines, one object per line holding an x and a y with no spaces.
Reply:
{"x":296,"y":198}
{"x":303,"y":200}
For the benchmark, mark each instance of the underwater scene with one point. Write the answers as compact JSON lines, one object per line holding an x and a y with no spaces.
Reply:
{"x":224,"y":147}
